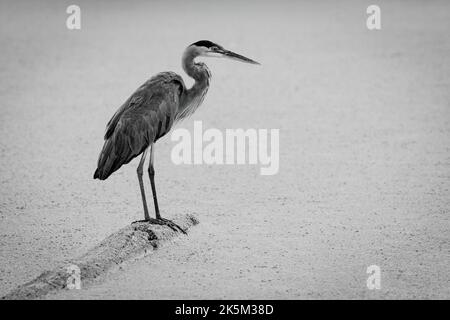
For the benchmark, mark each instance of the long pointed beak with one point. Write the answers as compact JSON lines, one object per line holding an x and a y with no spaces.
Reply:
{"x":238,"y":57}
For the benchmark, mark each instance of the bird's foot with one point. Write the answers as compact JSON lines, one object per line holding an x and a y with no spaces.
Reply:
{"x":163,"y":222}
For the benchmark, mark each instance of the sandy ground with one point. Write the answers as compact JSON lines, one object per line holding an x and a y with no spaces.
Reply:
{"x":364,"y":121}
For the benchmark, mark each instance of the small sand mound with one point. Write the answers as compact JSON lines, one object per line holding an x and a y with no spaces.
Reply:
{"x":125,"y":244}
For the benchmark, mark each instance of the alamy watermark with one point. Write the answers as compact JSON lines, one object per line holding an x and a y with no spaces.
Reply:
{"x":234,"y":146}
{"x":73,"y":21}
{"x":373,"y":21}
{"x":374,"y":279}
{"x":74,"y":279}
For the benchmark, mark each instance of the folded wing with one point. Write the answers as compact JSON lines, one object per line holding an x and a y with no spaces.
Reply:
{"x":144,"y":118}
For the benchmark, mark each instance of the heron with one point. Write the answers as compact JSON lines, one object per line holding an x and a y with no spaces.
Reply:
{"x":150,"y":113}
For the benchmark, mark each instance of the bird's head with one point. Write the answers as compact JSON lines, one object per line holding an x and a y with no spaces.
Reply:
{"x":207,"y":48}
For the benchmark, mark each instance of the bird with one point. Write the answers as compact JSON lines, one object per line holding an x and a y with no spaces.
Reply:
{"x":150,"y":113}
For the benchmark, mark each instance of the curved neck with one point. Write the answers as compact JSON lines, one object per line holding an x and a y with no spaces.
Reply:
{"x":198,"y":71}
{"x":194,"y":96}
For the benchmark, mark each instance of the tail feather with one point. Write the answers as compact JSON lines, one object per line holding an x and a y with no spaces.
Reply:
{"x":117,"y":151}
{"x":107,"y":161}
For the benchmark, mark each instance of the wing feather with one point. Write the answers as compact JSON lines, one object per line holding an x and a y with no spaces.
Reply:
{"x":144,"y":118}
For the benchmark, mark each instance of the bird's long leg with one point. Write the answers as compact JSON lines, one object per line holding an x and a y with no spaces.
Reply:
{"x":140,"y":172}
{"x":151,"y":174}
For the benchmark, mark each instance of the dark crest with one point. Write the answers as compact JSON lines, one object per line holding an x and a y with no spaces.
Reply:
{"x":205,"y":43}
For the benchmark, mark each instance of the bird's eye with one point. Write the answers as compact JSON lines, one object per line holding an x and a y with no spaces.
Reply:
{"x":214,"y":48}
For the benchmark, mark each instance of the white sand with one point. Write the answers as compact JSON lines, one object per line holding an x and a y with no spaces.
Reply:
{"x":364,"y":121}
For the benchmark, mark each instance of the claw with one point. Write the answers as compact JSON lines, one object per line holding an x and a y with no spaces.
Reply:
{"x":163,"y":222}
{"x":172,"y":225}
